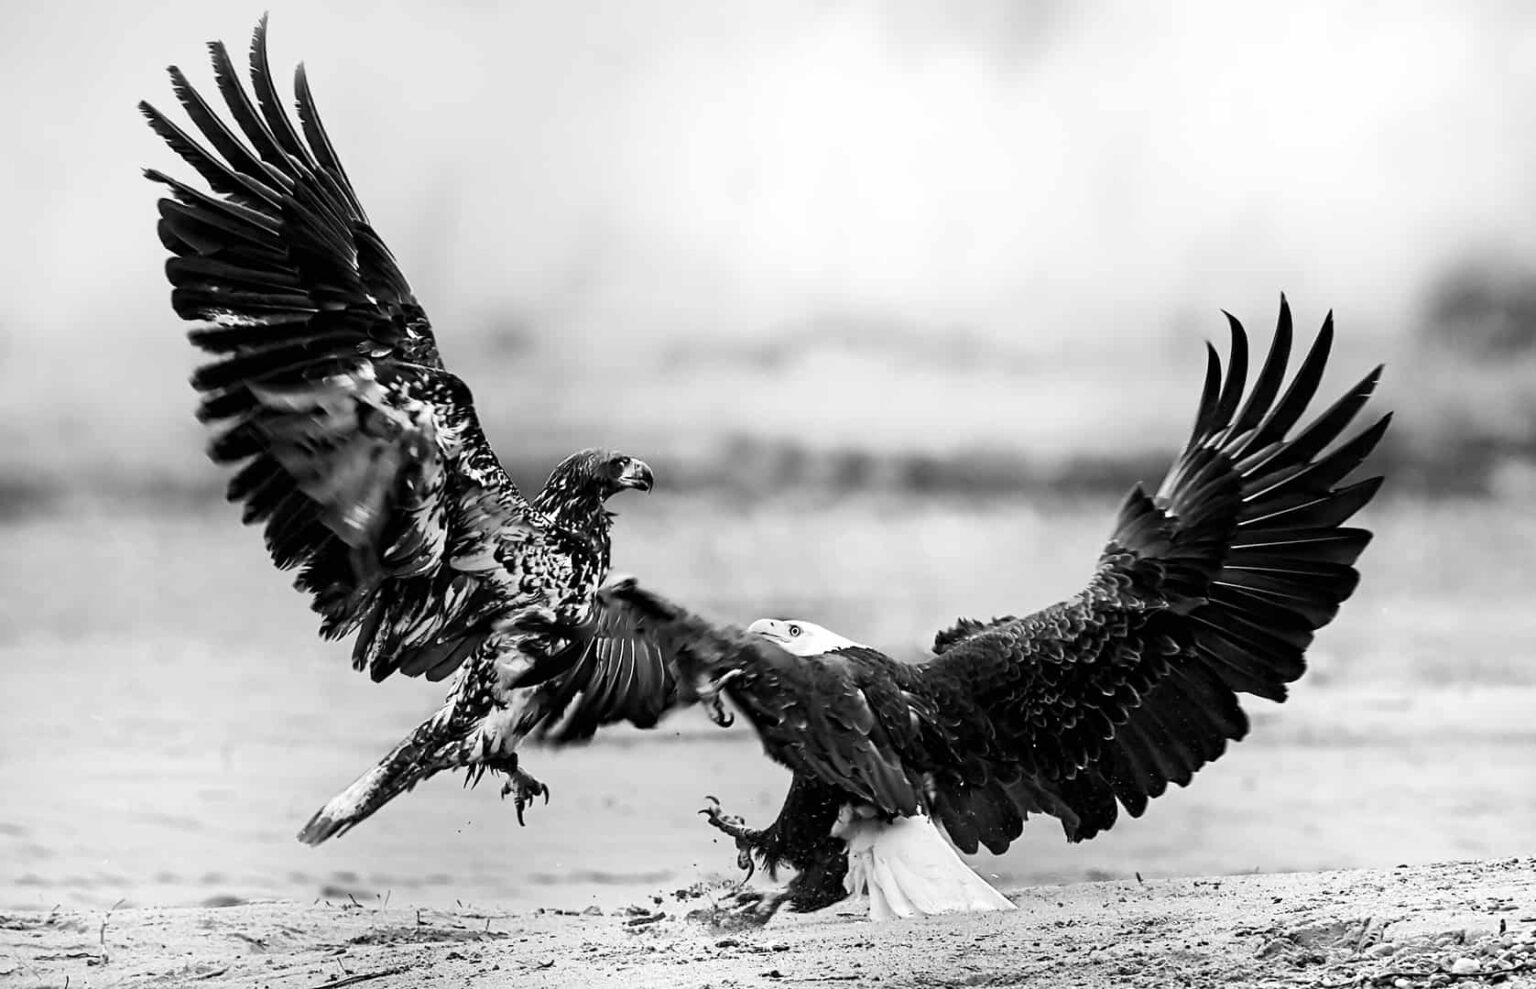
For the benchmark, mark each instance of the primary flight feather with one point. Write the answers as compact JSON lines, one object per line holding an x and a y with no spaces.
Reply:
{"x":1209,"y":588}
{"x":362,"y":455}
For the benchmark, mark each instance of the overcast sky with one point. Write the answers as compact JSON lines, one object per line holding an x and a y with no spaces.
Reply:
{"x":614,"y":181}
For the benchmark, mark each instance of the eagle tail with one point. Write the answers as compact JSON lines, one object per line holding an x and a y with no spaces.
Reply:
{"x":420,"y":754}
{"x":909,"y":869}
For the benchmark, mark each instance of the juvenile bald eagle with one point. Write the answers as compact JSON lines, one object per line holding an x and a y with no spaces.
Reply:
{"x":1209,"y":588}
{"x":362,"y":454}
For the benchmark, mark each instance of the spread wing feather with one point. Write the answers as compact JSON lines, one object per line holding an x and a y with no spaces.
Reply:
{"x":619,"y":674}
{"x":356,"y":449}
{"x":1212,"y":587}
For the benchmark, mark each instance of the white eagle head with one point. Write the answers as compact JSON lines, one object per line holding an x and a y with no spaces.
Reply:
{"x":801,"y":638}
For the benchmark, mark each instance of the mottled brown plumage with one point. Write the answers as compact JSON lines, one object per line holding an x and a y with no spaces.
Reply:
{"x":358,"y":451}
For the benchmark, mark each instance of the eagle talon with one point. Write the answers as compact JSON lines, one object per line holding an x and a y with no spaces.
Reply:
{"x":734,"y":827}
{"x":717,"y":712}
{"x":750,"y":907}
{"x":524,"y":789}
{"x":713,"y":705}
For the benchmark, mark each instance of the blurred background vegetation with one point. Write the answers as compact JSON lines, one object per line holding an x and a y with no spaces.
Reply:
{"x":946,"y":248}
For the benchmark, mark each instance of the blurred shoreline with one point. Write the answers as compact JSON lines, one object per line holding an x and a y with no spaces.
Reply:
{"x":748,"y":471}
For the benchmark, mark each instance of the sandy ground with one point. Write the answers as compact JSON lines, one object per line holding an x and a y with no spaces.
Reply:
{"x":1463,"y":923}
{"x":168,"y":719}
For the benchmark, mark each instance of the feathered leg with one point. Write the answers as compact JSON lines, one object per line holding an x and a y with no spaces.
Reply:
{"x":800,"y":837}
{"x":820,"y":881}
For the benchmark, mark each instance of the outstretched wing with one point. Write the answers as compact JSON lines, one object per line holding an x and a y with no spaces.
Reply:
{"x":1210,"y":588}
{"x":361,"y":454}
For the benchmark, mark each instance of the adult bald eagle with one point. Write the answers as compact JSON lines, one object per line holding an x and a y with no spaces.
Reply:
{"x":1209,"y":588}
{"x":362,"y":454}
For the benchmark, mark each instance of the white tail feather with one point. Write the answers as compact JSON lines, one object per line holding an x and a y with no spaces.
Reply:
{"x":908,"y":868}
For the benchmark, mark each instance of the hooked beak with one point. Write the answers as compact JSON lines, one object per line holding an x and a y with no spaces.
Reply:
{"x":765,"y":628}
{"x":637,"y":475}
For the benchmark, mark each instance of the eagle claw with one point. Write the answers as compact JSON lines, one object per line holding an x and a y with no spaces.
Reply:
{"x":735,"y":827}
{"x":523,"y":789}
{"x":748,"y":908}
{"x":718,"y":714}
{"x":710,"y":695}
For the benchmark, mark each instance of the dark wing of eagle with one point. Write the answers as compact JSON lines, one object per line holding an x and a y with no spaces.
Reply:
{"x":1212,"y":587}
{"x":618,"y":672}
{"x":358,"y":451}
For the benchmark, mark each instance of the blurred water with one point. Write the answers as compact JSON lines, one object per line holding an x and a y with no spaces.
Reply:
{"x":167,"y":719}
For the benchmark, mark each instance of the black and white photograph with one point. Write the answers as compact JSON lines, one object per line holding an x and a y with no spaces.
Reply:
{"x":727,"y":494}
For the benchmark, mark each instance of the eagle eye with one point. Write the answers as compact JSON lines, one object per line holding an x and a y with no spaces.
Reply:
{"x":794,"y":630}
